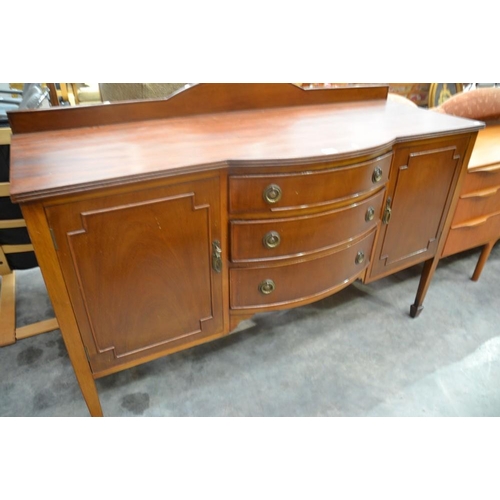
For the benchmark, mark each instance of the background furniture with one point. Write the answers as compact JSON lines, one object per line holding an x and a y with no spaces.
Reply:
{"x":418,"y":93}
{"x":131,"y":91}
{"x":32,"y":96}
{"x":477,"y":217}
{"x":86,"y":93}
{"x":227,"y":200}
{"x":441,"y":92}
{"x":16,"y":250}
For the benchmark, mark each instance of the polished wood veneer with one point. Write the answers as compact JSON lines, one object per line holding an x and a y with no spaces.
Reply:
{"x":160,"y":225}
{"x":307,"y":188}
{"x":302,"y":235}
{"x":162,"y":236}
{"x":419,"y":198}
{"x":301,"y":281}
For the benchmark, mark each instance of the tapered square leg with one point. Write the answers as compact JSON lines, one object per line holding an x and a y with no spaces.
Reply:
{"x":415,"y":310}
{"x":485,"y":253}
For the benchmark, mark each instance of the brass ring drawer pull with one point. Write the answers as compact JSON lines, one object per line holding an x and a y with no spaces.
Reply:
{"x":377,"y":175}
{"x":272,"y":193}
{"x":360,"y":257}
{"x":370,"y":214}
{"x":267,"y":287}
{"x":271,"y":240}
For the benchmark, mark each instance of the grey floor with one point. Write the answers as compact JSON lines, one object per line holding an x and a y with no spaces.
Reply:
{"x":356,"y":353}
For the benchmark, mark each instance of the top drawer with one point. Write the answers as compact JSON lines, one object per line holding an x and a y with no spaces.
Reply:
{"x":280,"y":192}
{"x":482,"y":178}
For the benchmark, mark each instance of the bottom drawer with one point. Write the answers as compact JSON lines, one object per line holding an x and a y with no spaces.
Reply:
{"x":467,"y":237}
{"x":261,"y":287}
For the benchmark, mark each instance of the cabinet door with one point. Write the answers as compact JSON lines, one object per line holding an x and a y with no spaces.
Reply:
{"x":421,"y":187}
{"x":139,"y":271}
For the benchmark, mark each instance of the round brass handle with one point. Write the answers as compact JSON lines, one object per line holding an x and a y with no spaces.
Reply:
{"x":377,"y":175}
{"x":272,"y":193}
{"x":360,"y":257}
{"x":267,"y":287}
{"x":370,"y":214}
{"x":271,"y":240}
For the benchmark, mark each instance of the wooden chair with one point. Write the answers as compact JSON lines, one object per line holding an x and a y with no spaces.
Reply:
{"x":10,"y":254}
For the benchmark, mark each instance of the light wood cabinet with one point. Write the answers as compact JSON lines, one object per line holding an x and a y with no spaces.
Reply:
{"x":476,"y":221}
{"x":161,"y":225}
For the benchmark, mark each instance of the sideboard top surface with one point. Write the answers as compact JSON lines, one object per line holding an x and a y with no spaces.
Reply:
{"x":54,"y":162}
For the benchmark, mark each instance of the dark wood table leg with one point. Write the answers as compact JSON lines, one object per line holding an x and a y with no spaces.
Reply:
{"x":425,"y":280}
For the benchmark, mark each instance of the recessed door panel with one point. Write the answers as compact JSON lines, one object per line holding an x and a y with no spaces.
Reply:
{"x":419,"y":195}
{"x":140,"y":269}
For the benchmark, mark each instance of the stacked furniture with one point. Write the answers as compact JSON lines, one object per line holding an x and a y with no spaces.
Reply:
{"x":163,"y":224}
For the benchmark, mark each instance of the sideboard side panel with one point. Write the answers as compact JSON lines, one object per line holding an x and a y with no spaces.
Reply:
{"x":46,"y":255}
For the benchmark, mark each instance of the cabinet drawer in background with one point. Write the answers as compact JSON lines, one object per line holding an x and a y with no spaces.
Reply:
{"x":481,"y":178}
{"x":477,"y":205}
{"x":478,"y":233}
{"x":280,"y":238}
{"x":270,"y":193}
{"x":277,"y":285}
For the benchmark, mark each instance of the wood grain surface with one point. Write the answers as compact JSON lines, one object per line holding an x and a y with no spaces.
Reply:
{"x":73,"y":160}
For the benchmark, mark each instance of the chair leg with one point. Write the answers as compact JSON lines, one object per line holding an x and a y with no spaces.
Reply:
{"x":47,"y":325}
{"x":8,"y":331}
{"x":8,"y":310}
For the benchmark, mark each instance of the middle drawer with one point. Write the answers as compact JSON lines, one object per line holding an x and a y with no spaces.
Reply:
{"x":271,"y":239}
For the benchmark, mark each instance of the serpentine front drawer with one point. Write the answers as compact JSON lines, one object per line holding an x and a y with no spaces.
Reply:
{"x":272,"y":239}
{"x":308,"y":188}
{"x":284,"y":284}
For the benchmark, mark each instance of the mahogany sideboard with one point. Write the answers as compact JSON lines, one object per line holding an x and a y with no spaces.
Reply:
{"x":160,"y":225}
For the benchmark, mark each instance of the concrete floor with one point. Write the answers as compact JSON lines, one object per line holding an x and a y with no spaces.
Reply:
{"x":356,"y":353}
